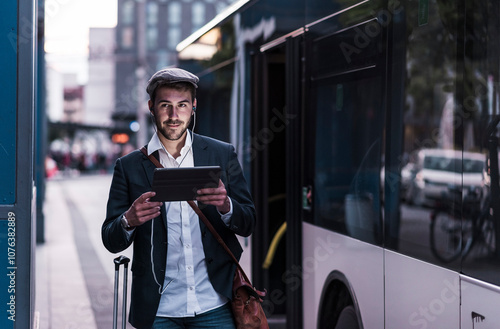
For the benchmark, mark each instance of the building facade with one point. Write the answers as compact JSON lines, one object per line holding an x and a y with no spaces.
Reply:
{"x":147,"y":34}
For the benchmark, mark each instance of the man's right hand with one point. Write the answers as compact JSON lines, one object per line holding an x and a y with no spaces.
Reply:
{"x":143,"y":210}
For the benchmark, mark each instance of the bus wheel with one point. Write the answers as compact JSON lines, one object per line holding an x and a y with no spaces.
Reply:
{"x":337,"y":310}
{"x":347,"y":319}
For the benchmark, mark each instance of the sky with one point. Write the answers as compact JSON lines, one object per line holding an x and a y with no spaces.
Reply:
{"x":66,"y":32}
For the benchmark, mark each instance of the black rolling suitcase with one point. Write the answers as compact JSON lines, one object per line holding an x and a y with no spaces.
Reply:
{"x":118,"y":262}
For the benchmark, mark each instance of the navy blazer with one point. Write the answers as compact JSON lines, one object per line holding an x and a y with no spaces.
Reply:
{"x":133,"y":176}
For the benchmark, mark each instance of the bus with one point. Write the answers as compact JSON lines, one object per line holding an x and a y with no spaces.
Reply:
{"x":330,"y":105}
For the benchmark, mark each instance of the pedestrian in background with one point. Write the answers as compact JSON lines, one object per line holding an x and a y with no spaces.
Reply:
{"x":181,"y":276}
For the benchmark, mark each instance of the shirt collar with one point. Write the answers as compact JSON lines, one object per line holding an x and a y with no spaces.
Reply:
{"x":155,"y":144}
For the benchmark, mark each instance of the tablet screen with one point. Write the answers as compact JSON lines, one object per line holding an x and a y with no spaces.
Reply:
{"x":181,"y":184}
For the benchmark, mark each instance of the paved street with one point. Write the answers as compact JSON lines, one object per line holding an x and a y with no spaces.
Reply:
{"x":74,"y":272}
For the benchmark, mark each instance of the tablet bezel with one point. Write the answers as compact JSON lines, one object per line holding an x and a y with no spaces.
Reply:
{"x":181,"y":184}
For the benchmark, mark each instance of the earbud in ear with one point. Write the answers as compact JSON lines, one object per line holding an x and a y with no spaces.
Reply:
{"x":194,"y":108}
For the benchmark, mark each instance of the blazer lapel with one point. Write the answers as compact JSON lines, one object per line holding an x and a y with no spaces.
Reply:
{"x":149,"y":168}
{"x":201,"y":156}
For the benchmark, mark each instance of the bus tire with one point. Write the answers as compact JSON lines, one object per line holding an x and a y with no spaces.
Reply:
{"x":338,"y":305}
{"x":348,"y":319}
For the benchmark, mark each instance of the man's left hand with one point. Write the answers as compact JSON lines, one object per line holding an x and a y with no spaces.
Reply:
{"x":216,"y":197}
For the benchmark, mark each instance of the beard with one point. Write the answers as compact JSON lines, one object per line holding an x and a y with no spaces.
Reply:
{"x":170,"y":133}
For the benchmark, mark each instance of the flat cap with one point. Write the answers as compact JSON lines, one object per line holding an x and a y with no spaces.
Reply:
{"x":170,"y":75}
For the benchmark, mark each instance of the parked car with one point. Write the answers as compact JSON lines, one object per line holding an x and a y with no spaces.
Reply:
{"x":437,"y":170}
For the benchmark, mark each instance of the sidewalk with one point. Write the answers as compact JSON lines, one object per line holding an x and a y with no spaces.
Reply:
{"x":74,"y":272}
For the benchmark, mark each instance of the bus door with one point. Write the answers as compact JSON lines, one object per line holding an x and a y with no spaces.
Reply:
{"x":344,"y":115}
{"x":275,"y":151}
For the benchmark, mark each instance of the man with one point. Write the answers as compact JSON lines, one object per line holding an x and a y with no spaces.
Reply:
{"x":181,"y":276}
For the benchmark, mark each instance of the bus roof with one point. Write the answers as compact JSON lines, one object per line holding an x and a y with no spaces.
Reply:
{"x":219,"y":18}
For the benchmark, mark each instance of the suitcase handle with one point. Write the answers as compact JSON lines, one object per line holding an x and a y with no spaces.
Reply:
{"x":121,"y":260}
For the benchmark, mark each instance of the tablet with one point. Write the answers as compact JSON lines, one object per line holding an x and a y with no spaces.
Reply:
{"x":181,"y":184}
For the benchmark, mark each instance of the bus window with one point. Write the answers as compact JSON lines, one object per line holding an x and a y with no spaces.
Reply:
{"x":481,"y":113}
{"x":448,"y":105}
{"x":430,"y":162}
{"x":348,"y":158}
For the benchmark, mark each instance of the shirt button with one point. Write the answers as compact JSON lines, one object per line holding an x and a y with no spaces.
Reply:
{"x":191,"y":288}
{"x":189,"y":268}
{"x":188,"y":246}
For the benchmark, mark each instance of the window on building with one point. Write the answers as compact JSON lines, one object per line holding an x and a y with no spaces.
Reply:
{"x":174,"y":37}
{"x":198,"y":15}
{"x":152,"y":37}
{"x":127,"y":39}
{"x":152,"y":13}
{"x":174,"y":13}
{"x":127,"y":14}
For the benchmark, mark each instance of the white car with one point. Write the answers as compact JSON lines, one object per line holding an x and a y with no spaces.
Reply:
{"x":437,"y":170}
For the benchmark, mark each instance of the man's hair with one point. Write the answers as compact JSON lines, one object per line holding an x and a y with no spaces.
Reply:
{"x":179,"y":86}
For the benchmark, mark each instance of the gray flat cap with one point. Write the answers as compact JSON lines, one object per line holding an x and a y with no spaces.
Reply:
{"x":170,"y":75}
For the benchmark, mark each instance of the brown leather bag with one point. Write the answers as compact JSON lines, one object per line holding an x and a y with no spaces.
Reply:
{"x":246,"y":302}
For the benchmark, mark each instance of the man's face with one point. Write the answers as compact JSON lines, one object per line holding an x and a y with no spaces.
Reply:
{"x":172,"y":110}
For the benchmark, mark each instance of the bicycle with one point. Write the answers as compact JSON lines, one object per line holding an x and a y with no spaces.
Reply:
{"x":460,"y":221}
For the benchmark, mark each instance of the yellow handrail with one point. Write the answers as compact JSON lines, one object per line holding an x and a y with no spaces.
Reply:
{"x":274,"y":244}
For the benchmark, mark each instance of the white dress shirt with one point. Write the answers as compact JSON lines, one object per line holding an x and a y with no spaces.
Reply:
{"x":186,"y":290}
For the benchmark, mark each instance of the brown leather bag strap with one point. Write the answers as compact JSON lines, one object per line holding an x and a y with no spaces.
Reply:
{"x":151,"y":157}
{"x":216,"y":235}
{"x":202,"y":216}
